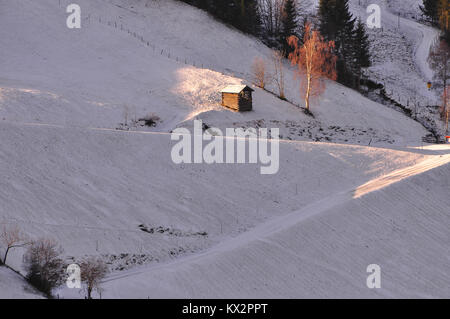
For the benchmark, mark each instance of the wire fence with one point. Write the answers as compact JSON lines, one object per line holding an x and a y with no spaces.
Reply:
{"x":164,"y":52}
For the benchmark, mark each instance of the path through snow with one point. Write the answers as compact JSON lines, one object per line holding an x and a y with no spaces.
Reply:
{"x":263,"y":231}
{"x":427,"y":34}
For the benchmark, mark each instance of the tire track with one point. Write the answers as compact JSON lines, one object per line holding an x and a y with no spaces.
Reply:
{"x":263,"y":231}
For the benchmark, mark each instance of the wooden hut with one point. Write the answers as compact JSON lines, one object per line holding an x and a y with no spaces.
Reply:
{"x":237,"y":97}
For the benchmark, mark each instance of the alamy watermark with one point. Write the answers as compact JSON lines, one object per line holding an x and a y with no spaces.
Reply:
{"x":74,"y":276}
{"x":374,"y":279}
{"x":74,"y":19}
{"x":237,"y":146}
{"x":374,"y":18}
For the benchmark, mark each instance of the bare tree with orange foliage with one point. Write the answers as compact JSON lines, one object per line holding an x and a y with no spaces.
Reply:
{"x":315,"y":61}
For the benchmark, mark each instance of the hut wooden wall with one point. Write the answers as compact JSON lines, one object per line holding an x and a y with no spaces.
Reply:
{"x":236,"y":102}
{"x":230,"y":100}
{"x":245,"y":104}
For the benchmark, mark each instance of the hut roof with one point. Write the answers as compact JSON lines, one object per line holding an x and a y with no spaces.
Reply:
{"x":236,"y":89}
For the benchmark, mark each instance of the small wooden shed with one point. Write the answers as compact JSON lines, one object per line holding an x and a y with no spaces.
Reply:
{"x":237,"y":97}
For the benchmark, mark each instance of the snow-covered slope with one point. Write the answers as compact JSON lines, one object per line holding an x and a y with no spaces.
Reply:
{"x":128,"y":60}
{"x":401,"y":48}
{"x":68,"y":174}
{"x":399,"y":51}
{"x":13,"y":286}
{"x":93,"y":189}
{"x":323,"y":250}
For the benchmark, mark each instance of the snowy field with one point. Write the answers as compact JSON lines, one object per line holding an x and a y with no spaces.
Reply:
{"x":356,"y":184}
{"x":13,"y":286}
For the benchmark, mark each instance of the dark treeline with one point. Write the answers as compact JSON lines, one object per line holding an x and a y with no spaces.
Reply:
{"x":438,"y":13}
{"x":242,"y":14}
{"x":351,"y":42}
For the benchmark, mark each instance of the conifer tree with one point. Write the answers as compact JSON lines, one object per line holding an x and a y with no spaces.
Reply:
{"x":242,"y":14}
{"x":302,"y":28}
{"x":361,"y":54}
{"x":337,"y":24}
{"x":289,"y":24}
{"x":246,"y":15}
{"x":326,"y":26}
{"x":430,"y":9}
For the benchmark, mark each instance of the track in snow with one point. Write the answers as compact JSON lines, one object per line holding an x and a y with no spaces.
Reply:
{"x":422,"y":47}
{"x":263,"y":231}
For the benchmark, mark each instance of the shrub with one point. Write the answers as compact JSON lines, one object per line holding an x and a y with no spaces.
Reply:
{"x":43,"y":265}
{"x":93,"y":270}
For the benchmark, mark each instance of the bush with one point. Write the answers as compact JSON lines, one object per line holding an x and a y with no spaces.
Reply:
{"x":93,"y":270}
{"x":43,"y":265}
{"x":151,"y":120}
{"x":10,"y":238}
{"x":259,"y":72}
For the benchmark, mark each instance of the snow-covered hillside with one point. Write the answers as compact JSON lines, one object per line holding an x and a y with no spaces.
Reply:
{"x":400,"y":52}
{"x":78,"y":166}
{"x":13,"y":286}
{"x":322,"y":250}
{"x":106,"y":75}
